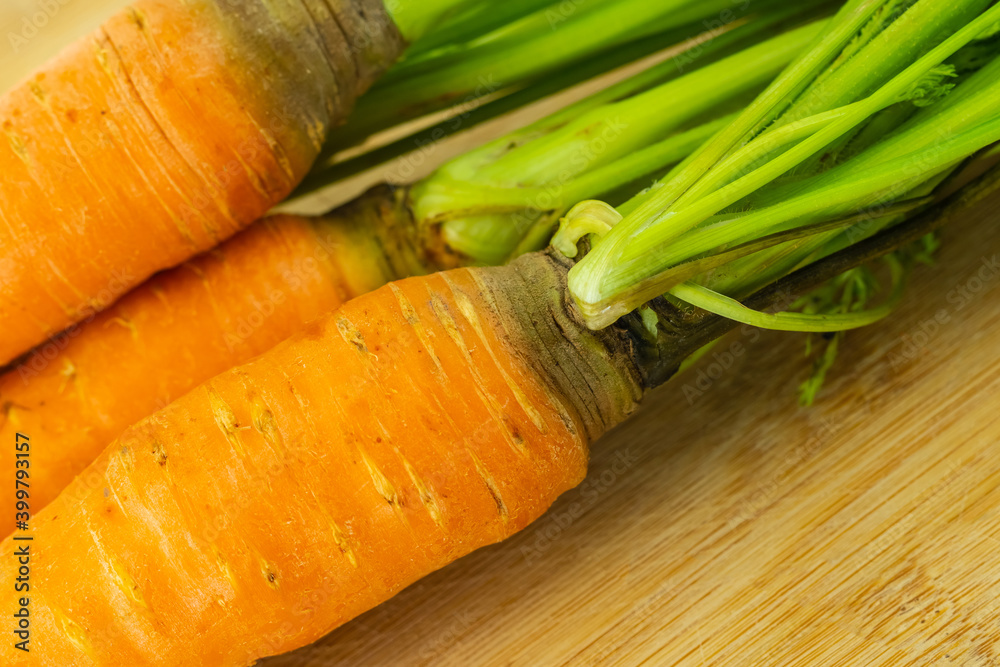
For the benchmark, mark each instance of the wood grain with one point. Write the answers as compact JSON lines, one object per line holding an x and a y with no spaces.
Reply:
{"x":731,"y":527}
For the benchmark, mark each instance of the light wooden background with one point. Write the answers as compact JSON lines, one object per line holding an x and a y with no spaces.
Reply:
{"x":735,"y":528}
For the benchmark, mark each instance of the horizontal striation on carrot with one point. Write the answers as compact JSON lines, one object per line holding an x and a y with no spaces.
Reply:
{"x":175,"y":331}
{"x":286,"y":496}
{"x":167,"y":130}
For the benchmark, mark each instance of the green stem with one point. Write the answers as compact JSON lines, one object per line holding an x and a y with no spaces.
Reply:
{"x":473,"y":112}
{"x":718,"y":304}
{"x":723,"y":265}
{"x":971,"y":104}
{"x":527,"y":49}
{"x":861,"y":189}
{"x":682,"y":331}
{"x":472,"y":23}
{"x":504,"y":198}
{"x":415,"y":18}
{"x":665,"y":106}
{"x":757,"y":150}
{"x":605,"y":283}
{"x":645,"y":161}
{"x":847,"y":118}
{"x":763,"y":109}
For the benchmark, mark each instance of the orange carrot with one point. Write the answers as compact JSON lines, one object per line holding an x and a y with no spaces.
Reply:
{"x":288,"y":495}
{"x":173,"y":126}
{"x":186,"y":325}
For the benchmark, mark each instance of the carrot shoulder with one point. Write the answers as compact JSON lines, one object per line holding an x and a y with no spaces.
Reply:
{"x":173,"y":126}
{"x":286,"y":496}
{"x":180,"y":328}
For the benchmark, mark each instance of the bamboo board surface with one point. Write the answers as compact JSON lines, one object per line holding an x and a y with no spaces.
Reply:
{"x":724,"y":525}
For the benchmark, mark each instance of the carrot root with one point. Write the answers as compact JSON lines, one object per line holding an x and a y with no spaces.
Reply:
{"x":284,"y":497}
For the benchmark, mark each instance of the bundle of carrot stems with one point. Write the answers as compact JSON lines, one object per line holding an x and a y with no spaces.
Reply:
{"x":296,"y":418}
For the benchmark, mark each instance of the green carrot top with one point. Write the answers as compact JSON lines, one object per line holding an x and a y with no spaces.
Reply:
{"x":890,"y":99}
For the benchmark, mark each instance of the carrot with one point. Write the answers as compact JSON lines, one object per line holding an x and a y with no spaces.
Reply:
{"x":178,"y":329}
{"x":258,"y":289}
{"x":288,"y":495}
{"x":439,"y":414}
{"x":170,"y":128}
{"x":409,"y":427}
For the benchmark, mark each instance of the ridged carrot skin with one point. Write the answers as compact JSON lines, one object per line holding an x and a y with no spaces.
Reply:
{"x":175,"y":331}
{"x":173,"y":126}
{"x":286,"y":496}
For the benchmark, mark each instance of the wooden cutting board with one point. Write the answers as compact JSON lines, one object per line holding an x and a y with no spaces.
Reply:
{"x":724,"y":525}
